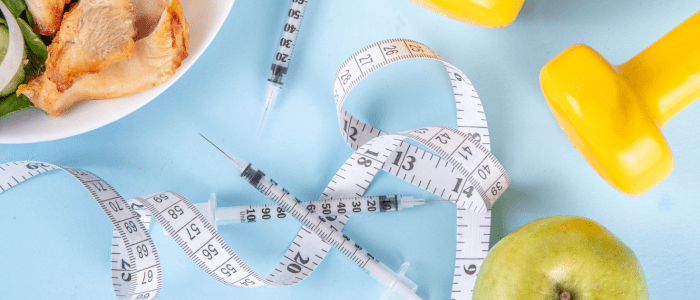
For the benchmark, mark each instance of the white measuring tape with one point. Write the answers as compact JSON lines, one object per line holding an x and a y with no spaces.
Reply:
{"x":465,"y":172}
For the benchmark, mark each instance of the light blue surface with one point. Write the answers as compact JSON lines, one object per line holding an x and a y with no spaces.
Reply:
{"x":56,"y":241}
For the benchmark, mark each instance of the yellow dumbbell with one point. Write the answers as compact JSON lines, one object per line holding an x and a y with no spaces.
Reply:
{"x":485,"y":13}
{"x":614,"y":114}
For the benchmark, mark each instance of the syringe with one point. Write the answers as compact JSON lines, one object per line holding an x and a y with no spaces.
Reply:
{"x":283,"y":55}
{"x":328,"y":208}
{"x":317,"y":224}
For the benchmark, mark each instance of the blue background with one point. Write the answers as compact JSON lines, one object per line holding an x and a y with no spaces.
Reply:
{"x":56,"y":241}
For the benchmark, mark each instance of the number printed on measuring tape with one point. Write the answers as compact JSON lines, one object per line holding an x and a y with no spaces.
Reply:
{"x":463,"y":171}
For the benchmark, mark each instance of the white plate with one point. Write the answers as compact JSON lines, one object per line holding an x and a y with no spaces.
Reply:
{"x":205,"y":18}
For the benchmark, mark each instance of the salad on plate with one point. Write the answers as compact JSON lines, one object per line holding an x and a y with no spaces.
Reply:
{"x":89,"y":50}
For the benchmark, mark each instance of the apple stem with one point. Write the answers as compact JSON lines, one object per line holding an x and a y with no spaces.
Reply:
{"x":565,"y":295}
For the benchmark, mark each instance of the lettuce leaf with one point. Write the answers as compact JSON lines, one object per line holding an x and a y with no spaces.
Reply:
{"x":13,"y":103}
{"x":32,"y":39}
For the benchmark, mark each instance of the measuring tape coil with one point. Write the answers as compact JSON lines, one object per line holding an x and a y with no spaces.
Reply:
{"x":464,"y":168}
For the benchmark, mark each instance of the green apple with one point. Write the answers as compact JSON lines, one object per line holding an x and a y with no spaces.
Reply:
{"x":561,"y":258}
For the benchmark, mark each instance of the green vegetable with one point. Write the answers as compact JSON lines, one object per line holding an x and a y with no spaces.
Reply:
{"x":19,"y":75}
{"x":34,"y":67}
{"x":16,"y":7}
{"x":13,"y":103}
{"x":33,"y":40}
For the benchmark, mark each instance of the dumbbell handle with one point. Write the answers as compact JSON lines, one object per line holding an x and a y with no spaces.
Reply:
{"x":667,"y":74}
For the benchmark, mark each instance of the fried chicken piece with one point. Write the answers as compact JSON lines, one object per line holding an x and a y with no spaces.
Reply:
{"x":155,"y":58}
{"x":47,"y":15}
{"x":93,"y":35}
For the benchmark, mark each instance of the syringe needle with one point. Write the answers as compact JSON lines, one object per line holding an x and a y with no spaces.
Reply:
{"x":222,"y":151}
{"x":235,"y":161}
{"x":272,"y":90}
{"x":261,"y":123}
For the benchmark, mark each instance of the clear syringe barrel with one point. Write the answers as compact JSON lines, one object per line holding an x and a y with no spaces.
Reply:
{"x":328,"y":208}
{"x":286,"y":42}
{"x":316,"y":223}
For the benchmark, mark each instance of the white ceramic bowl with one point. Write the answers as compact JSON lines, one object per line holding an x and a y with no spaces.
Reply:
{"x":205,"y":18}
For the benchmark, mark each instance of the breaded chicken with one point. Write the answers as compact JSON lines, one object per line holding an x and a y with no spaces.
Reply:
{"x":93,"y":35}
{"x":47,"y":15}
{"x":155,"y":58}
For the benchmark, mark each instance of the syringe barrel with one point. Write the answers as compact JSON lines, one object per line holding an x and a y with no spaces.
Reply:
{"x":286,"y":42}
{"x":358,"y":205}
{"x":225,"y":216}
{"x":328,"y":209}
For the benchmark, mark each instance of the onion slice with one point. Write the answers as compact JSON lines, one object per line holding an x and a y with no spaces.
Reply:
{"x":13,"y":59}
